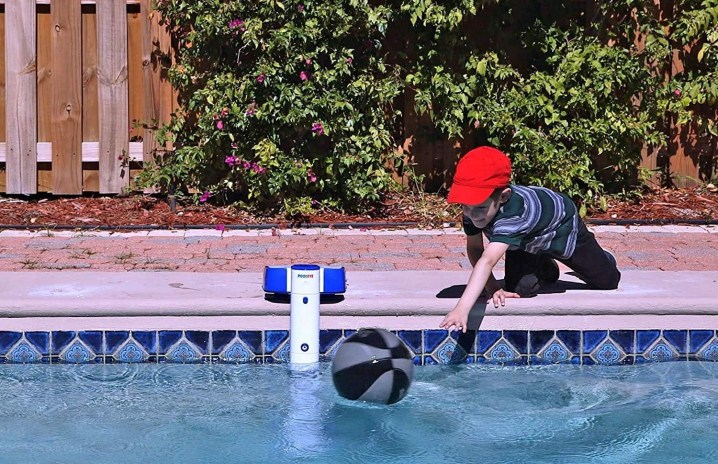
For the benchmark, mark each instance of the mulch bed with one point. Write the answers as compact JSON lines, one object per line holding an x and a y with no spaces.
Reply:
{"x":661,"y":205}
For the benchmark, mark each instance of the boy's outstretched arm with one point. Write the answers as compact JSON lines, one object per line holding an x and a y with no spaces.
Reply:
{"x":459,"y":316}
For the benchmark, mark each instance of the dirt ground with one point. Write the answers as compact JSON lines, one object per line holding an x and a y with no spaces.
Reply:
{"x":664,"y":205}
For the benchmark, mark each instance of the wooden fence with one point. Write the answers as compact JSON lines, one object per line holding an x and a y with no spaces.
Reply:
{"x":77,"y":75}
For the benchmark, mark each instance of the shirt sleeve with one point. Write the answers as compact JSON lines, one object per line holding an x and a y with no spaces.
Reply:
{"x":513,"y":239}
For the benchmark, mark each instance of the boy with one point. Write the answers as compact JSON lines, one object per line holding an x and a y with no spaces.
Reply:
{"x":533,"y":226}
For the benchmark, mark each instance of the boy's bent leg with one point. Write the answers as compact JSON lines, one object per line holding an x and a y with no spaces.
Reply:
{"x":524,"y":272}
{"x":594,"y":265}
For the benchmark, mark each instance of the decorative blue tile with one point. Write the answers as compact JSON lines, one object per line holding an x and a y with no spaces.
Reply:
{"x":412,"y":340}
{"x":646,"y":338}
{"x":486,"y":339}
{"x":571,"y":339}
{"x":502,"y":353}
{"x":444,"y":353}
{"x":77,"y":353}
{"x":328,"y":339}
{"x":539,"y":339}
{"x":624,"y":339}
{"x":698,"y":338}
{"x":433,"y":338}
{"x":24,"y":353}
{"x":709,"y":352}
{"x":236,"y":353}
{"x":8,"y":340}
{"x":167,"y":339}
{"x":591,"y":339}
{"x":519,"y":339}
{"x":661,"y":352}
{"x":253,"y":340}
{"x":183,"y":352}
{"x":678,"y":339}
{"x":282,"y":354}
{"x":608,"y":353}
{"x":222,"y":338}
{"x":555,"y":353}
{"x":131,"y":352}
{"x":273,"y":338}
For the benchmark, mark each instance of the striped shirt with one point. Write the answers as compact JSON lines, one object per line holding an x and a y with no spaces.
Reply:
{"x":534,"y":219}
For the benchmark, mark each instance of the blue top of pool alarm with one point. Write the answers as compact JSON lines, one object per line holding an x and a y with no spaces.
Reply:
{"x":276,"y":278}
{"x":305,"y":267}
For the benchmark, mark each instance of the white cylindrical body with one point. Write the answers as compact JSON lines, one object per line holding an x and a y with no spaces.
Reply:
{"x":304,"y":314}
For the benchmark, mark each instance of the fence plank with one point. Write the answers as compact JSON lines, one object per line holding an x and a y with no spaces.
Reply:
{"x":67,"y":98}
{"x":21,"y":98}
{"x":112,"y":80}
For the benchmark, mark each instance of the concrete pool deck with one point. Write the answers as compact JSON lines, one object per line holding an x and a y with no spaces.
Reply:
{"x":398,"y":279}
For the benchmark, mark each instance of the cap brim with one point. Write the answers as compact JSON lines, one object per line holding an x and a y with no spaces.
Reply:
{"x":469,"y":195}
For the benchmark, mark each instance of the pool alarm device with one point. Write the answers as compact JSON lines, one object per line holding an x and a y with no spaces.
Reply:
{"x":305,"y":284}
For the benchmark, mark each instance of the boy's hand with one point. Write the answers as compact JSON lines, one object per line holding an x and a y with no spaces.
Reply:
{"x":500,"y":295}
{"x":457,"y":318}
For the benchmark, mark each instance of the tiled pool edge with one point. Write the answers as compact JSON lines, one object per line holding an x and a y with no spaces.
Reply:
{"x":107,"y":317}
{"x":429,"y":346}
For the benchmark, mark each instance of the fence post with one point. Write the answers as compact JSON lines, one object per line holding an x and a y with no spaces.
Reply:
{"x":21,"y":97}
{"x":67,"y":97}
{"x":113,"y":95}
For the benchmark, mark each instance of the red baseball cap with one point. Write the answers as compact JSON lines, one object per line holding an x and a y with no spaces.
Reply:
{"x":478,"y":174}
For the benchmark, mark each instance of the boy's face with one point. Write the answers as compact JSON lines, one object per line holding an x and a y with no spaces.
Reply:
{"x":482,"y":214}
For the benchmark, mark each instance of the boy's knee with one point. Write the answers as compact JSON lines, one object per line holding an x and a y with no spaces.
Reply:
{"x":608,"y":281}
{"x":527,"y":286}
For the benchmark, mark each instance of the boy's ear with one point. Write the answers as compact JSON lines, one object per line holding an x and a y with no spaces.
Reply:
{"x":505,"y":194}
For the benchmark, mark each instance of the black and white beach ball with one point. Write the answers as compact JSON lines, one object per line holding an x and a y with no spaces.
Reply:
{"x":373,"y":365}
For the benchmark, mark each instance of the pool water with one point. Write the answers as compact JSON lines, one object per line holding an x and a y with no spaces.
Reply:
{"x":149,"y":413}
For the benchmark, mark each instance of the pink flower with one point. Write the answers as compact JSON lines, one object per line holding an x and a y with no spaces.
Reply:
{"x":308,"y":61}
{"x":220,"y":125}
{"x":300,"y":8}
{"x":237,"y":24}
{"x":251,"y":109}
{"x":231,"y":160}
{"x":303,"y":76}
{"x":246,"y":164}
{"x":205,"y":196}
{"x":312,"y":177}
{"x":678,"y":92}
{"x":349,"y":60}
{"x":318,"y":128}
{"x":260,"y":78}
{"x":257,"y":168}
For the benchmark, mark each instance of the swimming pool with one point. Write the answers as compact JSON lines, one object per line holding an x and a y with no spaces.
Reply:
{"x":119,"y":413}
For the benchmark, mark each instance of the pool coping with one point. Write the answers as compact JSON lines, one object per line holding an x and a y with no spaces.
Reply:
{"x":391,"y":299}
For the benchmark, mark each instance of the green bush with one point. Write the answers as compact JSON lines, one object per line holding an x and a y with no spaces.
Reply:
{"x":287,"y":103}
{"x":297,"y":104}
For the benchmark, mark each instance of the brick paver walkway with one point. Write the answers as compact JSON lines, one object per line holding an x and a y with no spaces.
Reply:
{"x":650,"y":248}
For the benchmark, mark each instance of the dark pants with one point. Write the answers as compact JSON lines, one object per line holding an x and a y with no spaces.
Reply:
{"x":525,"y":271}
